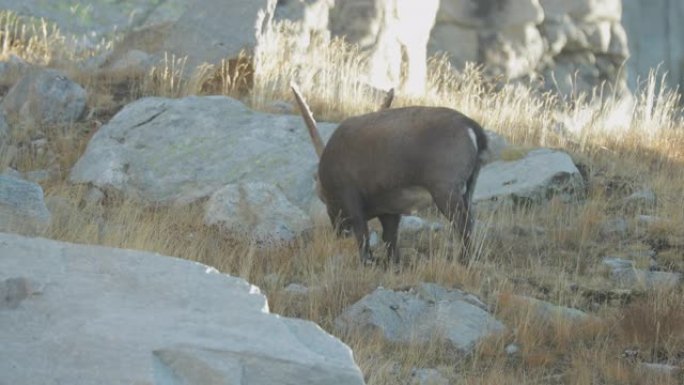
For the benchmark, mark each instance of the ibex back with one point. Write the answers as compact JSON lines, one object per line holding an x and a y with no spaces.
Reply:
{"x":387,"y":163}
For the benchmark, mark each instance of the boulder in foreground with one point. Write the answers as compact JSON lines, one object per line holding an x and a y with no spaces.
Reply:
{"x":76,"y":314}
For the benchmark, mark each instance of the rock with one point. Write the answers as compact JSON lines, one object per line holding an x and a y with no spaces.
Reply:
{"x":655,"y":37}
{"x":461,"y":44}
{"x":660,"y":369}
{"x":614,"y":227}
{"x":585,"y":10}
{"x":311,"y":18}
{"x":647,"y":220}
{"x":297,"y":289}
{"x":625,"y":274}
{"x":167,"y":151}
{"x":386,"y":30}
{"x":427,"y":377}
{"x":642,"y":199}
{"x":541,"y":174}
{"x":4,"y":130}
{"x":512,"y":349}
{"x":412,"y":224}
{"x":22,"y":206}
{"x":213,"y":30}
{"x":94,"y":196}
{"x":256,"y":211}
{"x":12,"y":69}
{"x":133,"y":61}
{"x":550,"y":312}
{"x":44,"y":97}
{"x":502,"y":15}
{"x":163,"y":319}
{"x":89,"y":21}
{"x":457,"y":318}
{"x":513,"y":54}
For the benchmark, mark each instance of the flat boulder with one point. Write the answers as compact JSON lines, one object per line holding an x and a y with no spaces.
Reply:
{"x":541,"y":174}
{"x":166,"y":151}
{"x":429,"y":311}
{"x":22,"y":206}
{"x":79,"y":314}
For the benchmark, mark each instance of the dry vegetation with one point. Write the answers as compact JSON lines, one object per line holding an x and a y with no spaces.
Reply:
{"x":551,"y":252}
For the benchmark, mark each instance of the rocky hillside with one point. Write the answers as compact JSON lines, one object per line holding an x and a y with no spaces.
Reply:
{"x":159,"y":222}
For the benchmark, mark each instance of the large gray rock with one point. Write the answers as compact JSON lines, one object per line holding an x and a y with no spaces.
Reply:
{"x":22,"y":207}
{"x":179,"y":150}
{"x":86,"y":314}
{"x":541,"y":174}
{"x":44,"y":97}
{"x":256,"y":211}
{"x":460,"y":319}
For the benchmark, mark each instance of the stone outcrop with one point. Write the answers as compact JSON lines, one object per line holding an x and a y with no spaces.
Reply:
{"x":78,"y":314}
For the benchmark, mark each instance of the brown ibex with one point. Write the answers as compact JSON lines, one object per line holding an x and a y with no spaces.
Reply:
{"x":387,"y":163}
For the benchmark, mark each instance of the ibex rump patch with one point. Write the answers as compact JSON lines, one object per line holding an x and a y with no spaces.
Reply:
{"x":387,"y":163}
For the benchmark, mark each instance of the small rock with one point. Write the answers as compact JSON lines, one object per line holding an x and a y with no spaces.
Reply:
{"x":133,"y":61}
{"x":670,"y":370}
{"x":550,"y":312}
{"x":616,"y":227}
{"x":624,"y":273}
{"x":415,"y":224}
{"x":512,"y":349}
{"x":22,"y":206}
{"x":645,"y":198}
{"x":37,"y":176}
{"x":94,"y":196}
{"x":427,"y":377}
{"x":647,"y":220}
{"x":297,"y":289}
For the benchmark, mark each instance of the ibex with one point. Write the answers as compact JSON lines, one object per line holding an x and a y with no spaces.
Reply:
{"x":387,"y":163}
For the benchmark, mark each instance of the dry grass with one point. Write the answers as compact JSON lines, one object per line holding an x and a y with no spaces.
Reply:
{"x":550,"y":252}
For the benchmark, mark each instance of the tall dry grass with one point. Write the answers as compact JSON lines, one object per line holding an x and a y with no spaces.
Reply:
{"x":551,"y":252}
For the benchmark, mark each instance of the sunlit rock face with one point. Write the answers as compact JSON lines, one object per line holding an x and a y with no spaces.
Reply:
{"x":574,"y":44}
{"x":388,"y":32}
